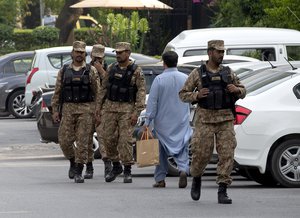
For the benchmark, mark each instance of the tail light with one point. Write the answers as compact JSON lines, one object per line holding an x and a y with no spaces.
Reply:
{"x":44,"y":107}
{"x":241,"y":114}
{"x":33,"y":71}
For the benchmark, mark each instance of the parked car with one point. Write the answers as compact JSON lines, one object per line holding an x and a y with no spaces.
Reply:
{"x":13,"y":68}
{"x":247,"y":69}
{"x":267,"y":128}
{"x":266,"y":44}
{"x":47,"y":63}
{"x":49,"y":130}
{"x":228,"y":59}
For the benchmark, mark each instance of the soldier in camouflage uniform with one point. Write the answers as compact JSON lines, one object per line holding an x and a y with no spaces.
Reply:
{"x":77,"y":87}
{"x":123,"y":89}
{"x":97,"y":60}
{"x":217,"y":89}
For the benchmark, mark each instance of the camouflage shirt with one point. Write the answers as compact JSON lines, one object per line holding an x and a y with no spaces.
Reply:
{"x":136,"y":107}
{"x":76,"y":108}
{"x":189,"y":94}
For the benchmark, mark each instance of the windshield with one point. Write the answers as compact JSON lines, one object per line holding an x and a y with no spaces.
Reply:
{"x":265,"y":80}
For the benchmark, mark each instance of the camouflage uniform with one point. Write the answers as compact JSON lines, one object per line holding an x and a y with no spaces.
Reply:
{"x":210,"y":124}
{"x":116,"y":117}
{"x":77,"y":118}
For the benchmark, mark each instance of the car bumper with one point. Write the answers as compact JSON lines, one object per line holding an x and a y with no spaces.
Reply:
{"x":250,"y":150}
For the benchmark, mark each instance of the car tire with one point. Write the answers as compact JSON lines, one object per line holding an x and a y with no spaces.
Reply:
{"x":285,"y":163}
{"x":265,"y":179}
{"x":242,"y":172}
{"x":17,"y":106}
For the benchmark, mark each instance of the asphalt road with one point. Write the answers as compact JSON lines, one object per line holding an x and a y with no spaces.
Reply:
{"x":34,"y":184}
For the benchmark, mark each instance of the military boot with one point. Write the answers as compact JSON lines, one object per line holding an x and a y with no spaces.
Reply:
{"x":107,"y":167}
{"x":89,"y":171}
{"x":222,"y":194}
{"x":116,"y":170}
{"x":78,"y":173}
{"x":127,"y":174}
{"x":72,"y":168}
{"x":196,"y":188}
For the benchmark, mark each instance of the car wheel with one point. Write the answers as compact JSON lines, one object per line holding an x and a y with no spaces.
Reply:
{"x":265,"y":179}
{"x":242,"y":172}
{"x":285,"y":163}
{"x":17,"y":106}
{"x":172,"y":166}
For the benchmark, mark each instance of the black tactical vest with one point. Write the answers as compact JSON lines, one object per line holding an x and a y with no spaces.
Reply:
{"x":76,"y":85}
{"x":218,"y":97}
{"x":119,"y":87}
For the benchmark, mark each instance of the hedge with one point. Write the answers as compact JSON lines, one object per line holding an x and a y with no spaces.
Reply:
{"x":12,"y":40}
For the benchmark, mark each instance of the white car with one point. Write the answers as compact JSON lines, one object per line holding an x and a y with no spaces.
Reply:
{"x":48,"y":61}
{"x":228,"y":59}
{"x":268,"y":128}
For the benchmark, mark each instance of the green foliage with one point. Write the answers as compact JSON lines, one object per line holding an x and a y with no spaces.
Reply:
{"x":120,"y":28}
{"x":8,"y":12}
{"x":284,"y":14}
{"x":21,"y":36}
{"x":6,"y":41}
{"x":90,"y":36}
{"x":273,"y":13}
{"x":40,"y":37}
{"x":46,"y":36}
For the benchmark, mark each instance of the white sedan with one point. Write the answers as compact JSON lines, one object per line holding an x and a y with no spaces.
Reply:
{"x":268,"y":129}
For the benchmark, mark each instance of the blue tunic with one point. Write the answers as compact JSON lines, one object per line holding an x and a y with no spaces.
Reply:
{"x":169,"y":114}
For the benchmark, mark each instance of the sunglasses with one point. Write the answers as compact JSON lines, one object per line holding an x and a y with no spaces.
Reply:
{"x":120,"y":52}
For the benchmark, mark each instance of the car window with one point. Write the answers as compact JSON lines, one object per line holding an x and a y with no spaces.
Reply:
{"x":22,"y":65}
{"x":110,"y":59}
{"x":18,"y":66}
{"x":245,"y":73}
{"x":150,"y":72}
{"x":256,"y":86}
{"x":193,"y":52}
{"x":293,"y":53}
{"x":58,"y":60}
{"x":262,"y":54}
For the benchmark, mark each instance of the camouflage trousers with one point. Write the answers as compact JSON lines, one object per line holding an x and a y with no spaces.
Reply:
{"x":100,"y":138}
{"x":76,"y":128}
{"x":116,"y":136}
{"x":207,"y":135}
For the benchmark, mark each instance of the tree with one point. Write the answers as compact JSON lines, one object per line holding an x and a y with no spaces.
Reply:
{"x":121,"y":28}
{"x":66,"y":21}
{"x":284,"y":14}
{"x":273,"y":13}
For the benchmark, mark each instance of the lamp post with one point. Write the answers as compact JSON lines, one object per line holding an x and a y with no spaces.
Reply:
{"x":41,"y":12}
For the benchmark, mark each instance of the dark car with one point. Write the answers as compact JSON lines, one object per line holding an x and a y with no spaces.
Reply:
{"x":48,"y":130}
{"x":13,"y":69}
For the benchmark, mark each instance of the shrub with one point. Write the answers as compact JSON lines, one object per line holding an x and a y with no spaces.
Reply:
{"x":46,"y":36}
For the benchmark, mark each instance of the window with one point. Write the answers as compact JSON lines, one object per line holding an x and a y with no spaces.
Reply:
{"x":18,"y":66}
{"x":265,"y":80}
{"x":195,"y":52}
{"x":262,"y":54}
{"x":293,"y":53}
{"x":58,"y":60}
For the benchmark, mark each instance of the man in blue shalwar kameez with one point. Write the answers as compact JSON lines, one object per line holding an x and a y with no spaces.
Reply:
{"x":170,"y":117}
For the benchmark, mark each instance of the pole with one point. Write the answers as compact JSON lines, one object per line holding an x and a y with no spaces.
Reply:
{"x":41,"y":12}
